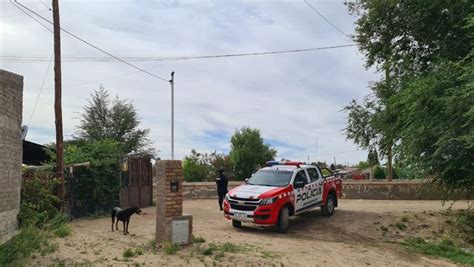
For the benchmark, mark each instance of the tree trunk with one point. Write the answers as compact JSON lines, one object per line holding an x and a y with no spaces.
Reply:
{"x":389,"y":163}
{"x":389,"y":149}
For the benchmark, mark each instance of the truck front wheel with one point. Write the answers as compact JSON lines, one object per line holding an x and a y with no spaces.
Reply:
{"x":283,"y":218}
{"x":328,"y":208}
{"x":236,"y":224}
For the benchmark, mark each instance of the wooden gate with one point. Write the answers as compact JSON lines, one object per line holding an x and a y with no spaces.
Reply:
{"x":137,"y":182}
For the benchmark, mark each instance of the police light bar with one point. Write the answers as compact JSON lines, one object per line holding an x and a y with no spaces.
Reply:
{"x":292,"y":163}
{"x":273,"y":162}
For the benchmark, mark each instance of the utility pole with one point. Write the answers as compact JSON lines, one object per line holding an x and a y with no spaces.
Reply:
{"x":57,"y":102}
{"x":172,"y":114}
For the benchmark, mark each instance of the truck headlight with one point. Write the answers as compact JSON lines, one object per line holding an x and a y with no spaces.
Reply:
{"x":226,"y":197}
{"x":268,"y":201}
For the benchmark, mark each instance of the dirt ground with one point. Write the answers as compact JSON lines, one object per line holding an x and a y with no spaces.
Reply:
{"x":360,"y":233}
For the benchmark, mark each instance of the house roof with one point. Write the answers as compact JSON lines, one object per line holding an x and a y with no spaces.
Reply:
{"x":34,"y":154}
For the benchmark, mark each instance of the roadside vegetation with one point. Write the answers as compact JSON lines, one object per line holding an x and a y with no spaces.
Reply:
{"x":444,"y":248}
{"x":40,"y":221}
{"x":419,"y":116}
{"x":455,"y":242}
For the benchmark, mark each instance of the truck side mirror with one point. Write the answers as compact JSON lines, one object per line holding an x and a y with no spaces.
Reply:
{"x":246,"y":180}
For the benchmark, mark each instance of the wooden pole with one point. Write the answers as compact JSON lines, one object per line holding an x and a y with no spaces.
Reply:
{"x":57,"y":102}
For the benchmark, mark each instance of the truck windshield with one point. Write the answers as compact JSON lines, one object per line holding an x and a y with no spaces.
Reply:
{"x":271,"y":178}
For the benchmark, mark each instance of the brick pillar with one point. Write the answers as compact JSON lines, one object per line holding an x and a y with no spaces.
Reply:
{"x":11,"y":106}
{"x":169,"y":203}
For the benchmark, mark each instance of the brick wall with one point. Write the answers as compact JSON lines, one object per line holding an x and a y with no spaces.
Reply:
{"x":398,"y":189}
{"x":169,"y":204}
{"x":11,"y":105}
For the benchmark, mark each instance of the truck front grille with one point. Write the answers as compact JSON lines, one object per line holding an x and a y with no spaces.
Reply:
{"x":243,"y":207}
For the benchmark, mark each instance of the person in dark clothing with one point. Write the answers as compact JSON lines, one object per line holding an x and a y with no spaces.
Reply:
{"x":221,"y":182}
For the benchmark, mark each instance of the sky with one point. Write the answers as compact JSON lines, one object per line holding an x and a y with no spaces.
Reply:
{"x":294,"y":99}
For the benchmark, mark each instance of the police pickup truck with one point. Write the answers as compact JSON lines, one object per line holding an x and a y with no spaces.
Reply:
{"x":280,"y":190}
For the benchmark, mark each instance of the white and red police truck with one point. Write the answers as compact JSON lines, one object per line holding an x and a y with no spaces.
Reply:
{"x":280,"y":190}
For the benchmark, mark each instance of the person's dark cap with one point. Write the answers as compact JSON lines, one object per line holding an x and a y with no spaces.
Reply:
{"x":221,"y":170}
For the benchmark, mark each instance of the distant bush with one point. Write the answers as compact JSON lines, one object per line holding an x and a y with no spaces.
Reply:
{"x":379,"y":173}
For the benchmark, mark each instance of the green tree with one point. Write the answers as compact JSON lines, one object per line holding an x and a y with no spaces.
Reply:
{"x":248,"y":150}
{"x":116,"y":120}
{"x":437,"y":125}
{"x":402,"y":39}
{"x":196,"y":167}
{"x":221,"y":161}
{"x":362,"y":165}
{"x":372,"y":158}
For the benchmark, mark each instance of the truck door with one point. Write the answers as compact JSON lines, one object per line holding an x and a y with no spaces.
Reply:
{"x":316,"y":186}
{"x":300,"y":185}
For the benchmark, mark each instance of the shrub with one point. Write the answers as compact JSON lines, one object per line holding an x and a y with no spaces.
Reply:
{"x":400,"y":226}
{"x":198,"y":239}
{"x":20,"y":247}
{"x":38,"y":204}
{"x":379,"y":173}
{"x":128,"y":253}
{"x":62,"y":231}
{"x":96,"y":188}
{"x":39,"y":219}
{"x":171,"y":248}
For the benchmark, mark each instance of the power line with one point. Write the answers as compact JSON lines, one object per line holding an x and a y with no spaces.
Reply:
{"x":330,"y":154}
{"x":151,"y":58}
{"x":94,"y":46}
{"x":41,"y":90}
{"x":327,"y":20}
{"x":33,"y":18}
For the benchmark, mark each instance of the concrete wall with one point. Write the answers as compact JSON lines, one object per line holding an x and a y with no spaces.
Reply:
{"x":404,"y":189}
{"x":11,"y":105}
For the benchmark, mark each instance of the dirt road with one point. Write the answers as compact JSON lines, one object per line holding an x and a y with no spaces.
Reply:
{"x":360,"y":233}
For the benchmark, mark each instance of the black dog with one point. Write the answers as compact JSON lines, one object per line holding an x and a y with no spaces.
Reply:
{"x":124,"y":216}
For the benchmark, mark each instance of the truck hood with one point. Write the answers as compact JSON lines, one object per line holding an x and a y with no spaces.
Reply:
{"x":255,"y":191}
{"x":251,"y":191}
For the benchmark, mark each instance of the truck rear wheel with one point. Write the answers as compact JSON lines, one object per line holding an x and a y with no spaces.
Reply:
{"x":283,"y":218}
{"x":328,"y":208}
{"x":236,"y":224}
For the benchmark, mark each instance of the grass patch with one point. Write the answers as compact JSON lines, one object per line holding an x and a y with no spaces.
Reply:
{"x":404,"y":219}
{"x":445,"y":249}
{"x":198,"y":239}
{"x":32,"y":238}
{"x":130,"y":252}
{"x":62,"y":231}
{"x":222,"y":248}
{"x":170,"y":249}
{"x":20,"y":247}
{"x":464,"y":225}
{"x":400,"y":226}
